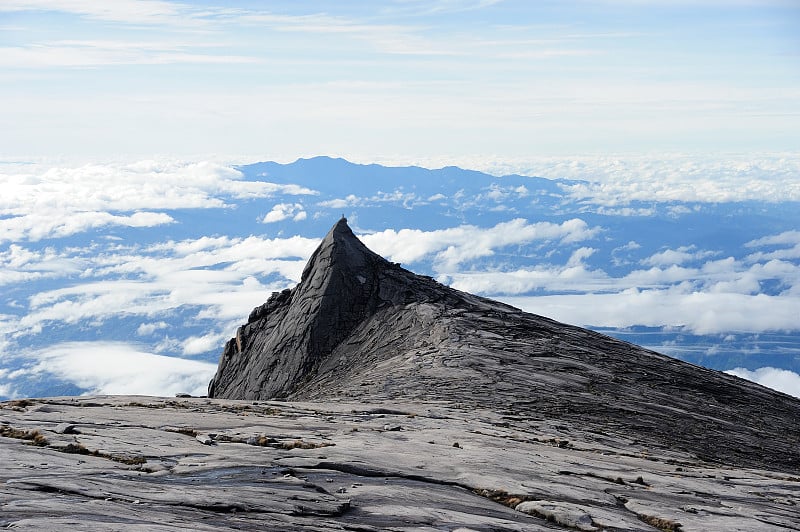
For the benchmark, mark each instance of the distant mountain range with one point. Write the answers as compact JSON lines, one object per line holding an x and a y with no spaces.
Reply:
{"x":130,"y":279}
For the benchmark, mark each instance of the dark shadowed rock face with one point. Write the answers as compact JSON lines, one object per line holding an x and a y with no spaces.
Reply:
{"x":286,"y":339}
{"x":358,"y":327}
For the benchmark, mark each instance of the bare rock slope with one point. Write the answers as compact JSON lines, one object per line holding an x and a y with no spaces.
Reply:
{"x":406,"y":405}
{"x":360,"y":327}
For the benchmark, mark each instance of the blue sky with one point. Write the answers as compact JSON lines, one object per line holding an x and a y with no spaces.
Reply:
{"x":405,"y":79}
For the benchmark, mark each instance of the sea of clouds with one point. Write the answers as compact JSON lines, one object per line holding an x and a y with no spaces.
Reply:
{"x":129,"y":277}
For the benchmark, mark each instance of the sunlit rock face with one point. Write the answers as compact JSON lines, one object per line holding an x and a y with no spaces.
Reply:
{"x":358,"y":327}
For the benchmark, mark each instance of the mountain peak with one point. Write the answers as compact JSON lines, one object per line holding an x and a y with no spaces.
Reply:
{"x":360,"y":327}
{"x":291,"y":334}
{"x":341,"y":250}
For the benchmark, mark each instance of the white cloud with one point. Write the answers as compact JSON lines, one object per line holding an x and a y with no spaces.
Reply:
{"x":453,"y":246}
{"x":196,"y":345}
{"x":120,"y":368}
{"x":681,"y":255}
{"x":579,"y":256}
{"x":787,"y":237}
{"x":696,"y":312}
{"x":146,"y":329}
{"x":6,"y":391}
{"x":218,"y":276}
{"x":45,"y":202}
{"x":791,"y":238}
{"x":282,"y":211}
{"x":124,"y":11}
{"x":57,"y":224}
{"x":108,"y":53}
{"x":19,"y":264}
{"x":781,"y":380}
{"x":340,"y":203}
{"x":613,"y":181}
{"x":406,"y":199}
{"x":571,"y":278}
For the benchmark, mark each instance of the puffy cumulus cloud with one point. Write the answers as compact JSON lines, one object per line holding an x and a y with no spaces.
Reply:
{"x":19,"y":264}
{"x":726,"y":276}
{"x":44,"y":202}
{"x":146,"y":329}
{"x":787,"y":237}
{"x":681,"y":255}
{"x":696,"y":312}
{"x":720,"y":276}
{"x":454,"y":246}
{"x":579,"y":256}
{"x":196,"y":345}
{"x":121,"y":368}
{"x":282,"y":211}
{"x":781,"y":380}
{"x":715,"y":296}
{"x":779,"y":254}
{"x":340,"y":203}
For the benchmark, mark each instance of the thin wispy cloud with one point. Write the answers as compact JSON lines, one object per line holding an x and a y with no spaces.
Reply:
{"x":119,"y":11}
{"x":113,"y":368}
{"x":85,"y":54}
{"x":482,"y":61}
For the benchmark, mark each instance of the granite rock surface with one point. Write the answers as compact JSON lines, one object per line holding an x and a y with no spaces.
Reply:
{"x":369,"y":398}
{"x":137,"y":463}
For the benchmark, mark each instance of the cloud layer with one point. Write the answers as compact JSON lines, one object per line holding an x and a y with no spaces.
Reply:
{"x":782,"y":380}
{"x":118,"y":368}
{"x":62,"y":201}
{"x":452,"y":247}
{"x":213,"y":241}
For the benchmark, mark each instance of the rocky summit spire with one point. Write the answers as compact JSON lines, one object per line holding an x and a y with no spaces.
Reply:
{"x":295,"y":330}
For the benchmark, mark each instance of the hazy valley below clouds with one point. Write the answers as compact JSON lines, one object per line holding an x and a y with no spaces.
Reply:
{"x":129,"y":277}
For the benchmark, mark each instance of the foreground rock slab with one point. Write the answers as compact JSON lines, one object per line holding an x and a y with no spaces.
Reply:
{"x":143,"y":463}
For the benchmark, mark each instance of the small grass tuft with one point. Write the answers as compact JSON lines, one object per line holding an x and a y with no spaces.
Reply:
{"x":79,"y":448}
{"x":300,"y":444}
{"x":661,"y":523}
{"x":34,"y":437}
{"x":512,"y":500}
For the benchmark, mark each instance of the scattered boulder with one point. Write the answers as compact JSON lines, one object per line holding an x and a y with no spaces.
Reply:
{"x":562,"y":513}
{"x":205,"y":439}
